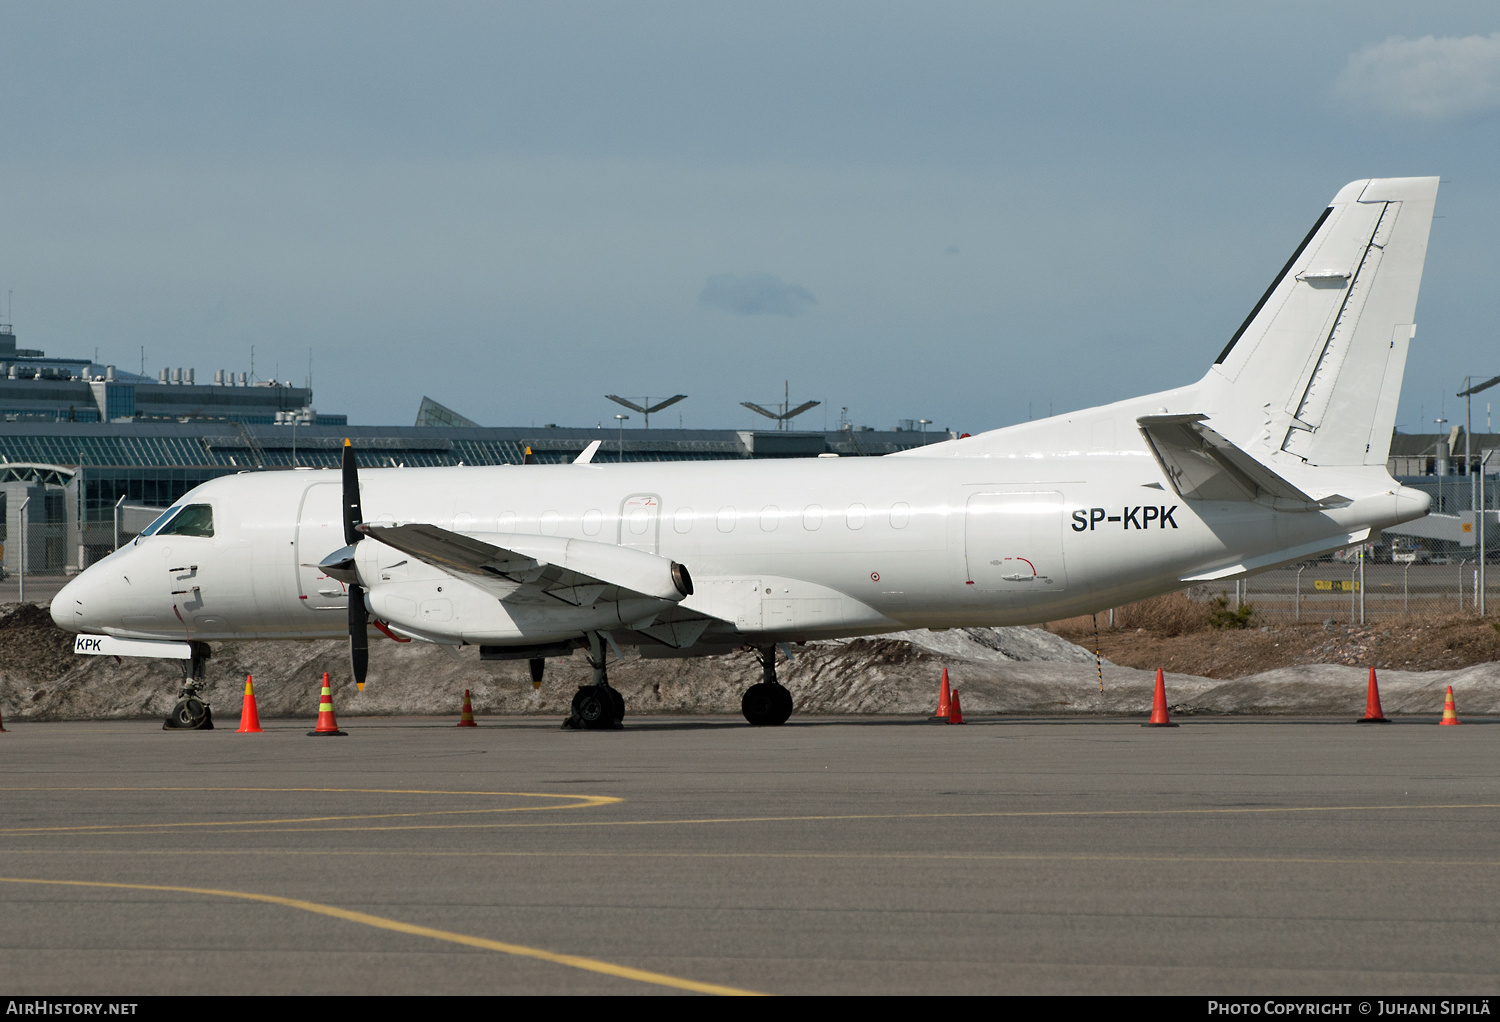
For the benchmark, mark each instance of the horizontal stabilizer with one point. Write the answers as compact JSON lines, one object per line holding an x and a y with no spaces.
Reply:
{"x":1203,"y":465}
{"x":1281,"y":557}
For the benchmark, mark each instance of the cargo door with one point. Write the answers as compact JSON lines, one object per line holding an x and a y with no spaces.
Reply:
{"x":1013,"y":542}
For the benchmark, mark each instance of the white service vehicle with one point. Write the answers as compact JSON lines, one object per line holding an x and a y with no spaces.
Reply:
{"x":1278,"y":453}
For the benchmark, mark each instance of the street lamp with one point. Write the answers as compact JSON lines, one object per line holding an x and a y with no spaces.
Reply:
{"x":621,"y":420}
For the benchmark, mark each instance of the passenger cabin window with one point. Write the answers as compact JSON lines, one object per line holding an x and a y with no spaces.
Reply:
{"x":855,"y":516}
{"x":161,"y":519}
{"x":193,"y":520}
{"x":682,"y":520}
{"x":900,"y":515}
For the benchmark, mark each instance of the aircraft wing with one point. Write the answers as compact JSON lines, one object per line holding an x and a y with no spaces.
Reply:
{"x":541,"y":569}
{"x":1203,"y":465}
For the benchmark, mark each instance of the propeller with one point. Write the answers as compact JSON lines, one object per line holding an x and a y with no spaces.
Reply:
{"x":359,"y":620}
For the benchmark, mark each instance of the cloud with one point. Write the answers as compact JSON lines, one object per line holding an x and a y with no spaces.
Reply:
{"x":756,"y":294}
{"x":1427,"y":78}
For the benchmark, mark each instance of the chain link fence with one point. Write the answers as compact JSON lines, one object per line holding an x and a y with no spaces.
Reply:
{"x":1349,"y":589}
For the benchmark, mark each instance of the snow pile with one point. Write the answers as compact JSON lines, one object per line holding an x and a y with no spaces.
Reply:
{"x":998,"y":670}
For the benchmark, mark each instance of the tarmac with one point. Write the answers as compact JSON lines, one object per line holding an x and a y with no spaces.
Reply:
{"x":835,"y":855}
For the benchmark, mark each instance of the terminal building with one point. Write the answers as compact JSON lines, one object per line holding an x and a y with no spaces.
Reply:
{"x":88,"y":451}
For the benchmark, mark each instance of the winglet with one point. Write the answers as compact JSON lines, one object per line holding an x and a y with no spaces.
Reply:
{"x":588,"y":453}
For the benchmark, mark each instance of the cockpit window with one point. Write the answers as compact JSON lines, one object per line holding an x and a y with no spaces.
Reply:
{"x":161,"y":519}
{"x":194,"y":520}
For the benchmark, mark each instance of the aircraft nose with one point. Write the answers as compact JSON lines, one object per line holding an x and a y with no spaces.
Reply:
{"x":79,"y":604}
{"x":63,"y":604}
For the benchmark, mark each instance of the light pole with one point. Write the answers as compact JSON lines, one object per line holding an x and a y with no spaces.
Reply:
{"x":1483,"y":462}
{"x":1476,"y":487}
{"x":21,"y":559}
{"x":621,"y":420}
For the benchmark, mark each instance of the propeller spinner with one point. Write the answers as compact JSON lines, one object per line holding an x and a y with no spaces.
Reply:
{"x":359,"y":620}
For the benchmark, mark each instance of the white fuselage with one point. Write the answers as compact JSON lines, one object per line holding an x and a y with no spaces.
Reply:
{"x":779,"y":550}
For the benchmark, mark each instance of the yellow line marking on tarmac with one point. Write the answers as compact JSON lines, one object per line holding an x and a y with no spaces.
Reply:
{"x":861,"y":856}
{"x":575,"y":801}
{"x":380,"y":922}
{"x":596,"y":800}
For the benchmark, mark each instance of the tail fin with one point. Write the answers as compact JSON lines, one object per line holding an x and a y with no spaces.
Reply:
{"x":1315,"y":371}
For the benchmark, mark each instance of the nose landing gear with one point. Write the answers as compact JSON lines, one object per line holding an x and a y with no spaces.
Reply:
{"x":768,"y":703}
{"x":191,"y":713}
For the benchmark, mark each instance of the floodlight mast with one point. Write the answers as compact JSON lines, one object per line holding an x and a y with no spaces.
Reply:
{"x":645,"y":407}
{"x":784,"y":413}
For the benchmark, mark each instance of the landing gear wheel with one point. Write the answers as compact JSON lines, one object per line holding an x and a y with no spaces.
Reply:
{"x":766,"y":705}
{"x":190,"y":714}
{"x":597,"y":707}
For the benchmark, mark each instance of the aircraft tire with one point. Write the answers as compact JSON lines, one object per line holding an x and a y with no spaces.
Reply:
{"x":598,"y":707}
{"x":191,"y":714}
{"x":766,"y":704}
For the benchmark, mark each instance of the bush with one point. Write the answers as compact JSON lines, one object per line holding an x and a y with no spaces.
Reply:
{"x":1222,"y":617}
{"x":1171,"y":614}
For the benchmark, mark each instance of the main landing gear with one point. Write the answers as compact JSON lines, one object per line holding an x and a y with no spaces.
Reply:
{"x":191,"y":713}
{"x":768,"y":703}
{"x":597,"y":707}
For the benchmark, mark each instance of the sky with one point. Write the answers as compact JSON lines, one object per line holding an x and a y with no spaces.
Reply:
{"x":972,"y":213}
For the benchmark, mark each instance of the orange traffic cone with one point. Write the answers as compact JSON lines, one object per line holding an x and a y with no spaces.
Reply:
{"x":955,"y":711}
{"x":1450,"y":712}
{"x":1159,"y":716}
{"x":944,"y":700}
{"x":327,"y":725}
{"x":249,"y":715}
{"x":466,"y":719}
{"x":1373,"y":713}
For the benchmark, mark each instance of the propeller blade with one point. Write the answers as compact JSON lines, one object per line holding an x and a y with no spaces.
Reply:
{"x":352,"y":513}
{"x":359,"y":620}
{"x":359,"y":638}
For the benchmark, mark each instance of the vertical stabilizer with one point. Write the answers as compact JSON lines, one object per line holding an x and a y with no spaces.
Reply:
{"x":1315,"y":371}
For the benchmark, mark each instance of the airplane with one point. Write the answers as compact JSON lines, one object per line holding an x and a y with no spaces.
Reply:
{"x":1277,"y":454}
